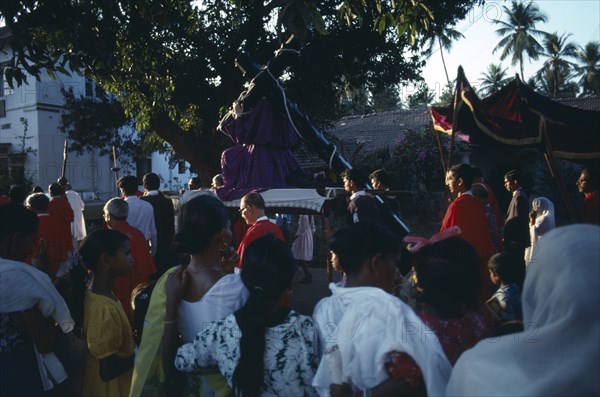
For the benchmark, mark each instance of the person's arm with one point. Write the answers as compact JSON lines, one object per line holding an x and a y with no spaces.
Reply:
{"x":113,"y":366}
{"x":39,"y":329}
{"x":175,"y":287}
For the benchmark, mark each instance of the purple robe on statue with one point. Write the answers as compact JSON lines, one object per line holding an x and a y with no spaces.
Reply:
{"x":262,"y":157}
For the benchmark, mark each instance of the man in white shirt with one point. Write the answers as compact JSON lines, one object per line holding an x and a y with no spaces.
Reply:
{"x":141,"y":213}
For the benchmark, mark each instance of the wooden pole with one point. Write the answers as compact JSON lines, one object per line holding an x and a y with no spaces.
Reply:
{"x":64,"y":164}
{"x":555,"y":172}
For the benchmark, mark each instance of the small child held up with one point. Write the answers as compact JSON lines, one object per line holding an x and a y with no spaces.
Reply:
{"x":505,"y":304}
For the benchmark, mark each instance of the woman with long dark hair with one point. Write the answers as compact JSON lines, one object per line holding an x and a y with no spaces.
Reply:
{"x":265,"y":348}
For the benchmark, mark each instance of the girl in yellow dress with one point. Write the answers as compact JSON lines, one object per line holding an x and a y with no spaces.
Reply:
{"x":109,"y":363}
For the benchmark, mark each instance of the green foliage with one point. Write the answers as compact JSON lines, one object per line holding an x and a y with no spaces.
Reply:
{"x":422,"y":98}
{"x":170,"y":63}
{"x":589,"y":69}
{"x":557,"y":69}
{"x":518,"y":32}
{"x":493,"y":79}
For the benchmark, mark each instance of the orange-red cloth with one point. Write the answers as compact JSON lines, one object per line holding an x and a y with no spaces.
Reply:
{"x":60,"y":209}
{"x":259,"y":229}
{"x":143,"y":266}
{"x":57,"y":248}
{"x":591,"y":209}
{"x":467,"y":213}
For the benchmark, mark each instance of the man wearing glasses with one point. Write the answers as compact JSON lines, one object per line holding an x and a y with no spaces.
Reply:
{"x":252,"y":210}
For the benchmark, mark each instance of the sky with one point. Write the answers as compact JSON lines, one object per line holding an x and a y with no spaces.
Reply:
{"x":581,"y":18}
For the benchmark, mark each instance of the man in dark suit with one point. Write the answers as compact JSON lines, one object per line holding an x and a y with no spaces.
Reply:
{"x":362,"y":206}
{"x":516,"y":226}
{"x":164,"y":217}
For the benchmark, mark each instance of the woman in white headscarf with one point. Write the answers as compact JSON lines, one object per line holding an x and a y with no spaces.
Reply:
{"x":558,"y":353}
{"x":541,"y":221}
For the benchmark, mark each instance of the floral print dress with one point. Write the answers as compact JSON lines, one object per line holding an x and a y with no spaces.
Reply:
{"x":291,"y":354}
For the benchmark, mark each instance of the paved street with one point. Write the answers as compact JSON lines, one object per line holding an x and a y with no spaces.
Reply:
{"x":305,"y":296}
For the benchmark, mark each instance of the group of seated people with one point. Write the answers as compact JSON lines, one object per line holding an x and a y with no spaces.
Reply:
{"x":203,"y":332}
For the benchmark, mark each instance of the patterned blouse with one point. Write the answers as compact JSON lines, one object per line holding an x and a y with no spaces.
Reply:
{"x":291,"y":354}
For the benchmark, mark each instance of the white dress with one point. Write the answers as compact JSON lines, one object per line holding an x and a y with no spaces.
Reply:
{"x":290,"y":359}
{"x":302,"y":247}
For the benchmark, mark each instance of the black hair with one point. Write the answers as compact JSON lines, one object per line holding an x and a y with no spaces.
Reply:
{"x":505,"y":266}
{"x":37,"y":189}
{"x":197,"y":180}
{"x":268,"y":268}
{"x":513,"y":175}
{"x":54,"y":189}
{"x":17,"y":194}
{"x":199,"y":220}
{"x":219,"y":179}
{"x":356,"y":175}
{"x":16,"y":222}
{"x":382,"y":176}
{"x":129,"y":184}
{"x":38,"y":202}
{"x":592,"y":177}
{"x":151,"y":181}
{"x":140,"y":301}
{"x":477,"y":172}
{"x":448,"y":275}
{"x":102,"y":241}
{"x":464,"y":172}
{"x":361,"y":241}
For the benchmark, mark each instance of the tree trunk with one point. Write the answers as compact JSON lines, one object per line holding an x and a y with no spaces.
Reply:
{"x":443,"y":61}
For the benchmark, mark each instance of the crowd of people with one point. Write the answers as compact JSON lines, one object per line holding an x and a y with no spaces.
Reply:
{"x":491,"y":304}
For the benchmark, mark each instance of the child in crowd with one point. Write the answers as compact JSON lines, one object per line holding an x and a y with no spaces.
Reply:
{"x":505,"y":304}
{"x":106,"y":254}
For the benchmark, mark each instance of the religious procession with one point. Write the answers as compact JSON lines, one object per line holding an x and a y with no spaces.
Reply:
{"x":229,"y":199}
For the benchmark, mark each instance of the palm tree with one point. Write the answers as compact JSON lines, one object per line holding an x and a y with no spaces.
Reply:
{"x":557,"y":49}
{"x":493,"y":80}
{"x":589,"y":57}
{"x":518,"y":32}
{"x":546,"y":83}
{"x":445,"y":36}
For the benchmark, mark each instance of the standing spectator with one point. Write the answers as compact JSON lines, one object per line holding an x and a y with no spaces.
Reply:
{"x":115,"y":216}
{"x":141,"y":213}
{"x":27,"y":300}
{"x":588,"y":185}
{"x":264,"y":348}
{"x":4,"y":199}
{"x":164,"y":218}
{"x":109,"y":363}
{"x":505,"y":304}
{"x":362,"y":205}
{"x":479,"y":191}
{"x":17,"y":194}
{"x":78,"y":230}
{"x":60,"y":209}
{"x":217,"y":181}
{"x":381,"y":180}
{"x":302,"y":247}
{"x":557,"y":353}
{"x":467,"y":212}
{"x":194,"y":183}
{"x":478,"y":178}
{"x":50,"y":249}
{"x":516,"y":226}
{"x":541,"y":221}
{"x":252,"y":209}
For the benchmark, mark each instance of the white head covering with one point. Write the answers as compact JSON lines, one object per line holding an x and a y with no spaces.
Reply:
{"x":558,"y":354}
{"x":544,"y":222}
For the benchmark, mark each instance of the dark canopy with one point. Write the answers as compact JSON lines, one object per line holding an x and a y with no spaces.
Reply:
{"x":516,"y":115}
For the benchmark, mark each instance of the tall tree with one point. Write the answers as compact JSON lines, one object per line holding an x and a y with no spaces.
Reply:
{"x":518,"y":32}
{"x":557,"y":50}
{"x":546,"y":83}
{"x":493,"y":79}
{"x":444,"y":37}
{"x":171,"y":63}
{"x":422,"y":97}
{"x":589,"y":68}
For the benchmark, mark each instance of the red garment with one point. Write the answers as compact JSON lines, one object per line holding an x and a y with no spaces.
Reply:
{"x":57,"y":248}
{"x":60,"y":209}
{"x":468,"y":213}
{"x":457,"y":335}
{"x":259,"y":229}
{"x":143,"y":266}
{"x":591,"y":208}
{"x":4,"y":199}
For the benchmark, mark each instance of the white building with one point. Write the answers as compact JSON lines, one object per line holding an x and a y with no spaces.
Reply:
{"x":31,"y":143}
